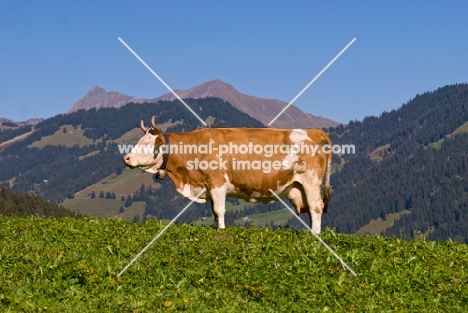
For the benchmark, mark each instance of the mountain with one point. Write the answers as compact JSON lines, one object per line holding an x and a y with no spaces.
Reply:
{"x":409,"y":170}
{"x":10,"y":123}
{"x":64,"y":155}
{"x":99,"y":98}
{"x":260,"y":109}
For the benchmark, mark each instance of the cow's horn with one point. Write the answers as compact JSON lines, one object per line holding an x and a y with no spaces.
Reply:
{"x":142,"y":126}
{"x":153,"y":123}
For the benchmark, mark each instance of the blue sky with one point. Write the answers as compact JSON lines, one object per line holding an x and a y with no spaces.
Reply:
{"x":53,"y":52}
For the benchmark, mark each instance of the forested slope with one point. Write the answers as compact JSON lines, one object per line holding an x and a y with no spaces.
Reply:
{"x":408,"y":173}
{"x":18,"y":204}
{"x":66,"y":170}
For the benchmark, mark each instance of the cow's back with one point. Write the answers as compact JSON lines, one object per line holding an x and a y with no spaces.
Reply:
{"x":257,"y":159}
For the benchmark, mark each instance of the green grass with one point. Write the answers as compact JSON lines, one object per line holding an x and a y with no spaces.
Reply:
{"x":75,"y":136}
{"x":437,"y":144}
{"x":137,"y":208}
{"x":229,"y":208}
{"x":122,"y":185}
{"x":210,"y":120}
{"x":68,"y":265}
{"x":130,"y":137}
{"x":69,"y":139}
{"x":336,"y":168}
{"x":377,"y":226}
{"x":107,"y":208}
{"x":279,"y":217}
{"x":462,"y":129}
{"x":99,"y":207}
{"x":89,"y":154}
{"x":379,"y":153}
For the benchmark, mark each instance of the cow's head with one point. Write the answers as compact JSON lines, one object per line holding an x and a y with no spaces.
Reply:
{"x":146,"y":154}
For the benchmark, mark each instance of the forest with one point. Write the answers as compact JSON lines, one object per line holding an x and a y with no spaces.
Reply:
{"x":20,"y":204}
{"x":413,"y":158}
{"x":10,"y":133}
{"x":67,"y":171}
{"x":411,"y":173}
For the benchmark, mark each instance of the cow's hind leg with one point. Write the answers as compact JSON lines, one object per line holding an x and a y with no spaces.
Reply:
{"x":313,"y":194}
{"x":218,"y":202}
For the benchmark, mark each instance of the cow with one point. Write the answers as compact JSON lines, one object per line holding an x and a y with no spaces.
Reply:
{"x":243,"y":163}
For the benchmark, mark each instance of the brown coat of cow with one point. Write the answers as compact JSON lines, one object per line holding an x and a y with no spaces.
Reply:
{"x":304,"y":178}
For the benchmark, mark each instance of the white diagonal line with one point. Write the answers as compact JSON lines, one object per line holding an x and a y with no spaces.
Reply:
{"x":313,"y":80}
{"x":316,"y":236}
{"x":161,"y":80}
{"x":161,"y":232}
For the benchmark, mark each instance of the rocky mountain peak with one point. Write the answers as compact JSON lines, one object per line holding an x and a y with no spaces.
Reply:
{"x":261,"y":109}
{"x":100,"y":98}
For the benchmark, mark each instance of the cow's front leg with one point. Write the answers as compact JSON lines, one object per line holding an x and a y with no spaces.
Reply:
{"x":218,"y":204}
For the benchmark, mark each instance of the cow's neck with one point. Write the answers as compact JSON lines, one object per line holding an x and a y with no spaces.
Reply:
{"x":162,"y":171}
{"x":168,"y":150}
{"x":176,"y":162}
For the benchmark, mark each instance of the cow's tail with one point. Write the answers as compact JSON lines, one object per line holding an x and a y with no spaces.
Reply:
{"x":326,"y":185}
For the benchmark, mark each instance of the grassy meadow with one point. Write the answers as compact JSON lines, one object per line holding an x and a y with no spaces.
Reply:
{"x":71,"y":265}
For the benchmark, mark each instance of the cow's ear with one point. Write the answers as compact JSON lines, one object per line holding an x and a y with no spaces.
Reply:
{"x":158,"y":141}
{"x":154,"y":132}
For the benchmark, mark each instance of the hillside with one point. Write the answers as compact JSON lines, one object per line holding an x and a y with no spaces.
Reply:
{"x":69,"y":265}
{"x":396,"y":168}
{"x":15,"y":204}
{"x":408,"y":160}
{"x":75,"y":151}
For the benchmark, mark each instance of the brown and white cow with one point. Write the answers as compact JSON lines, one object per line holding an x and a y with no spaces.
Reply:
{"x":303,"y":178}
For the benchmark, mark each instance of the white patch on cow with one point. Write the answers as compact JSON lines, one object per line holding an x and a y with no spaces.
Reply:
{"x":153,"y":169}
{"x":191,"y":192}
{"x":298,"y":135}
{"x":289,"y":160}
